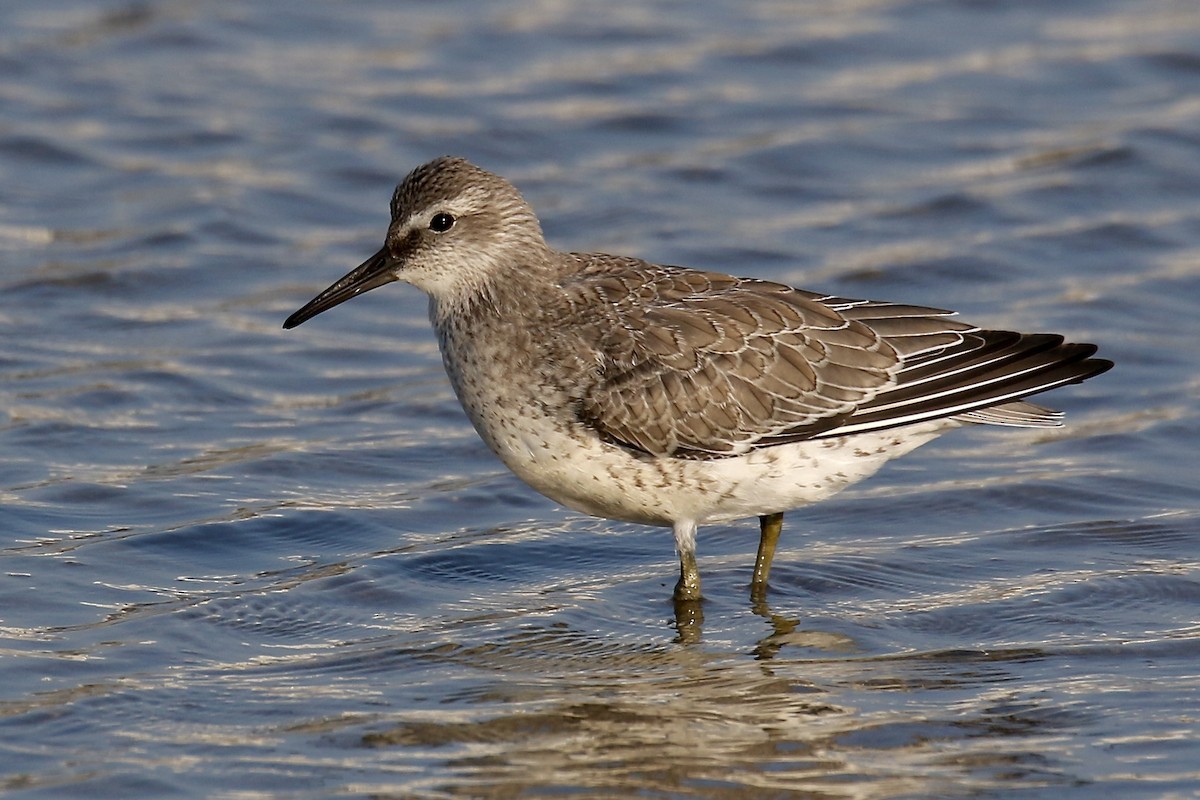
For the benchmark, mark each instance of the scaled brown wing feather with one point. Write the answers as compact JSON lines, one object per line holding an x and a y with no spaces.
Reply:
{"x":701,"y":365}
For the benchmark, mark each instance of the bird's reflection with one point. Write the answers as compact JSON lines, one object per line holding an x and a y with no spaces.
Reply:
{"x":689,"y":623}
{"x":781,"y":627}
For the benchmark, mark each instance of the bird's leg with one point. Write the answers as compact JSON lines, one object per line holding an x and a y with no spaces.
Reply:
{"x":688,"y":587}
{"x":770,"y":526}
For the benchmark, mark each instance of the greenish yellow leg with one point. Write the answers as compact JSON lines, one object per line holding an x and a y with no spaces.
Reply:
{"x":770,"y":526}
{"x":688,"y":587}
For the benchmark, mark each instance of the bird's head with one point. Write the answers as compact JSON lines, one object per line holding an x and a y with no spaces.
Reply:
{"x":455,"y":229}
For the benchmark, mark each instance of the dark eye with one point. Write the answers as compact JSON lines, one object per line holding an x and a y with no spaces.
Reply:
{"x":441,"y":222}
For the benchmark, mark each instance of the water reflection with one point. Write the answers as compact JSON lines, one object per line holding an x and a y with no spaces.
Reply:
{"x":673,"y":718}
{"x":683,"y":719}
{"x":689,"y":620}
{"x":784,"y":630}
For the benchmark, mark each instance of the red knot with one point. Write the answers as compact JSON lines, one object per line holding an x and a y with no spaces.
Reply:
{"x":672,"y":396}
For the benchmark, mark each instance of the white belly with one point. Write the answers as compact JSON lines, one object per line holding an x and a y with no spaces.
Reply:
{"x":570,"y":465}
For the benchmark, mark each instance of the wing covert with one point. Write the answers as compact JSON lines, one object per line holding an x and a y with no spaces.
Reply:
{"x":702,"y":365}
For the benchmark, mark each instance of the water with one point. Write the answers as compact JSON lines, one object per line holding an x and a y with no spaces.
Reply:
{"x":243,"y":562}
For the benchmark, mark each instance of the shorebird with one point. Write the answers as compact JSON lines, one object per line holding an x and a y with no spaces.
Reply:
{"x":672,"y":396}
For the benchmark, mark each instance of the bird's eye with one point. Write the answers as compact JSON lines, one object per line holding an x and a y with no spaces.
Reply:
{"x":441,"y":222}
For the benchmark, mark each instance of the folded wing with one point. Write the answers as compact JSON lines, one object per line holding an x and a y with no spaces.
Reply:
{"x":701,"y":365}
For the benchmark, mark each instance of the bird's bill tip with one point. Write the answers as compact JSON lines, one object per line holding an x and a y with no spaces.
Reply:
{"x":376,"y":271}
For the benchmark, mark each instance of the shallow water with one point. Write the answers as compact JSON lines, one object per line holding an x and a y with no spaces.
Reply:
{"x":243,"y":562}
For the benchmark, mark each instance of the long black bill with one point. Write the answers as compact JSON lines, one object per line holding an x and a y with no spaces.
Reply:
{"x":371,"y":274}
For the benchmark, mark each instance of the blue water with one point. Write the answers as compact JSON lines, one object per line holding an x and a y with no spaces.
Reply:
{"x":244,"y":562}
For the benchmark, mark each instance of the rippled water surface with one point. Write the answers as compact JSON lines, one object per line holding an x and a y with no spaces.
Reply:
{"x":244,"y":562}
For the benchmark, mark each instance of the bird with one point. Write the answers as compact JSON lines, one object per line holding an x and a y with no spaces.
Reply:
{"x":674,"y":397}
